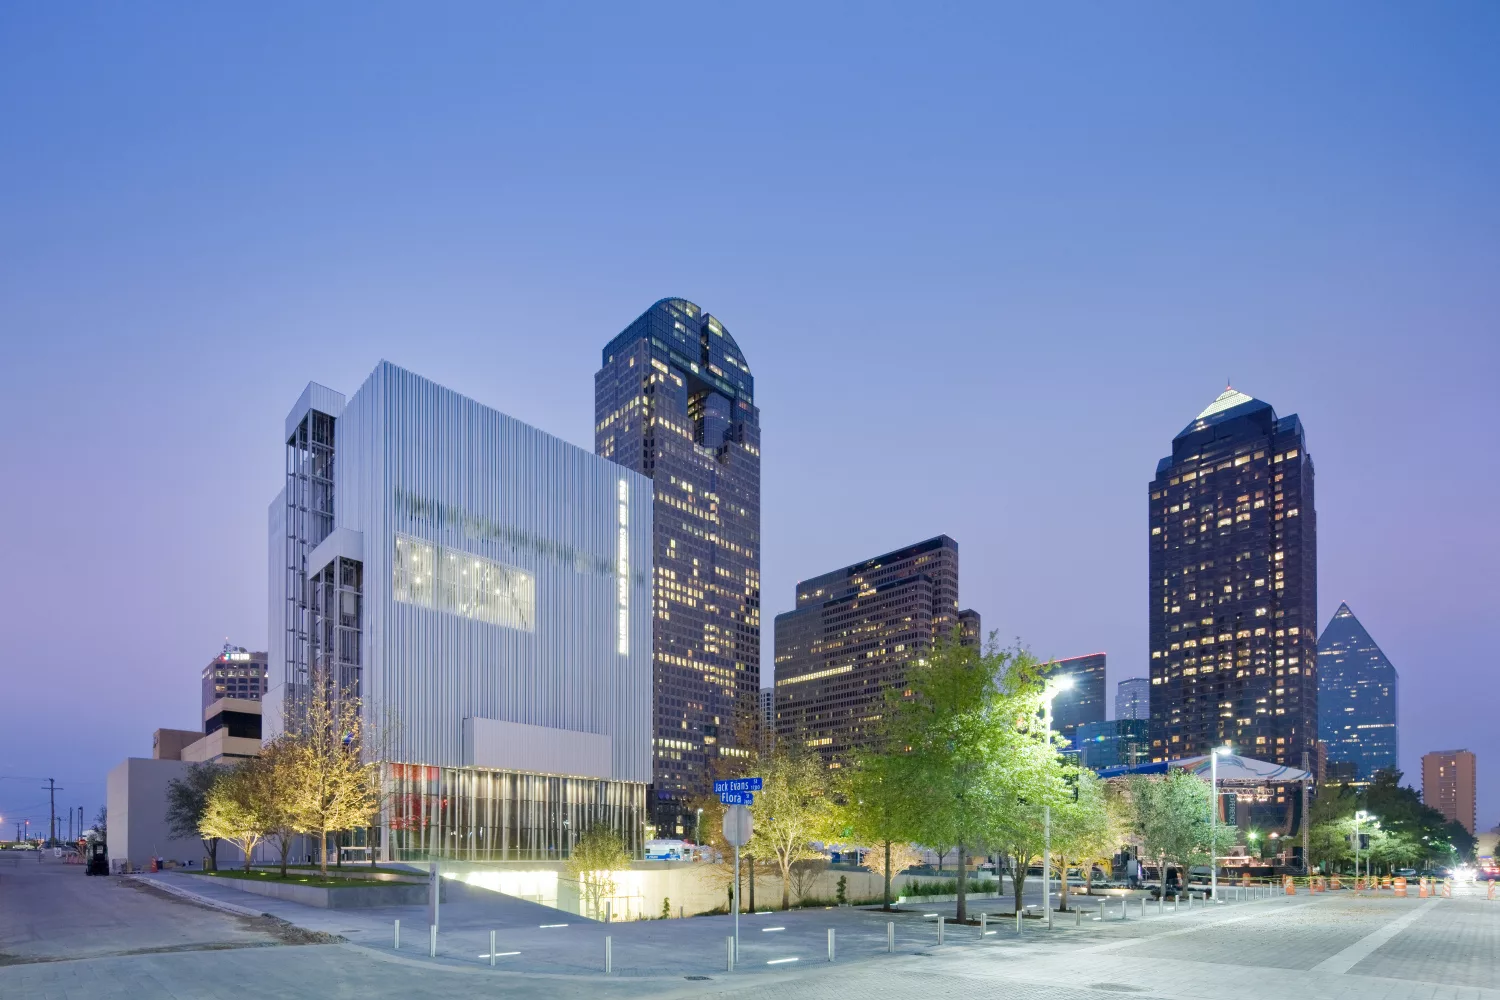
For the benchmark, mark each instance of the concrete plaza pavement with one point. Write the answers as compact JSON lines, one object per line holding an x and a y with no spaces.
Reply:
{"x":1329,"y":946}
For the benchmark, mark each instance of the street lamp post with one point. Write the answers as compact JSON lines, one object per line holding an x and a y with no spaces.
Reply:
{"x":1053,"y":688}
{"x":1213,"y":822}
{"x":698,"y":830}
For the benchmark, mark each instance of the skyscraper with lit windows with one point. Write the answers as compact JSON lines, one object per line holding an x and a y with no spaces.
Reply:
{"x":1356,"y":698}
{"x":675,"y":401}
{"x":1234,"y":587}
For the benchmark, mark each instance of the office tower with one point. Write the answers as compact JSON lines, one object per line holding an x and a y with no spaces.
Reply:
{"x":234,"y":673}
{"x":767,"y":718}
{"x":675,"y":401}
{"x":1083,"y":700}
{"x":851,"y":637}
{"x":1356,"y":698}
{"x":1133,"y":698}
{"x":485,"y":590}
{"x":1448,"y":781}
{"x":1116,"y":743}
{"x":1233,"y":587}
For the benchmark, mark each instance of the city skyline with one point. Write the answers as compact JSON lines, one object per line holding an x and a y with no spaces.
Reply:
{"x":991,"y":342}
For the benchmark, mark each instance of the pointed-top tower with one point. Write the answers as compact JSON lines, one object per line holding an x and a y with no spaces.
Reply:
{"x":1356,"y":700}
{"x":1233,"y":587}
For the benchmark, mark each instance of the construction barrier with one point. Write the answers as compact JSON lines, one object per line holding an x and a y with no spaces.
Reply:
{"x":1423,"y":889}
{"x":1399,"y":885}
{"x":1290,"y":885}
{"x":1447,"y":888}
{"x":1245,"y":879}
{"x":1386,"y":883}
{"x":1315,"y":885}
{"x":1491,"y":893}
{"x":1336,"y":883}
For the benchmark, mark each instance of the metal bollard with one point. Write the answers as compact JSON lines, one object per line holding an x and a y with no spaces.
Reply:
{"x":941,"y":920}
{"x":492,"y":949}
{"x":1124,"y":907}
{"x":1176,"y":902}
{"x":729,"y":954}
{"x":609,"y":953}
{"x":1143,"y":907}
{"x":890,"y":938}
{"x":607,"y":907}
{"x":397,"y":943}
{"x":830,"y":944}
{"x":984,"y":920}
{"x":432,"y":941}
{"x":1077,"y":916}
{"x":1018,"y":920}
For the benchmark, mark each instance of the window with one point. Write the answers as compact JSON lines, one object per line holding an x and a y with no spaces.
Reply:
{"x":458,"y":583}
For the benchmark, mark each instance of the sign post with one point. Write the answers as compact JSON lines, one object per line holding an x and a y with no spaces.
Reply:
{"x":738,"y":829}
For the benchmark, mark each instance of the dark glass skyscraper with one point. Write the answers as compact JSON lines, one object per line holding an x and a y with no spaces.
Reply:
{"x":1356,"y":698}
{"x":1234,"y":587}
{"x":675,"y":401}
{"x":852,"y":637}
{"x":1083,"y":701}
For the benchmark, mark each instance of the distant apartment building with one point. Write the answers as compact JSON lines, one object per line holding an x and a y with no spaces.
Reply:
{"x":235,"y":673}
{"x":853,"y":635}
{"x":1233,"y":585}
{"x":1083,"y":700}
{"x":767,"y":718}
{"x":1116,"y":743}
{"x":1356,"y":699}
{"x":1133,"y":698}
{"x":1448,"y":784}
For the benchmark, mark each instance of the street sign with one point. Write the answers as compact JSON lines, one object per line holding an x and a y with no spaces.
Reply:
{"x":738,"y":826}
{"x":737,"y":785}
{"x":737,"y":798}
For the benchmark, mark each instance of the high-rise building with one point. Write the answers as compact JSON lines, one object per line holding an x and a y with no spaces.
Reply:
{"x":1448,"y":785}
{"x":1118,"y":742}
{"x":1083,"y":700}
{"x":675,"y":401}
{"x":852,"y":636}
{"x":1234,"y":588}
{"x":1133,"y":698}
{"x":234,"y":673}
{"x":1356,"y":698}
{"x":485,"y":590}
{"x":767,"y":718}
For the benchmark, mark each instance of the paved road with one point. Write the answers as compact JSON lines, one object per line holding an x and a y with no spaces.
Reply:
{"x":1335,"y":946}
{"x":50,"y":910}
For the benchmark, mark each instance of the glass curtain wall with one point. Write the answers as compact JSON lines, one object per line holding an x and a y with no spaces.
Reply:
{"x":470,"y":814}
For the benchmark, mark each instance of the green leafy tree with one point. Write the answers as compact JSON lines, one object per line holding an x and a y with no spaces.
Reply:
{"x":330,"y":785}
{"x":879,"y":810}
{"x":1171,"y":816}
{"x":1084,"y":829}
{"x":596,"y":856}
{"x":794,"y":808}
{"x":187,"y":797}
{"x":236,"y":807}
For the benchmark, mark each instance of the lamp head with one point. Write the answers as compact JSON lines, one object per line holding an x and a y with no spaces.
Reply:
{"x":1223,"y":750}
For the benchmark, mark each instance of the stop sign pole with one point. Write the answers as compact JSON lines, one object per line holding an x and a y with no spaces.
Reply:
{"x":737,"y":830}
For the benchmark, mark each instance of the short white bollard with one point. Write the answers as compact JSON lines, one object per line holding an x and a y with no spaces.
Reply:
{"x":729,"y":954}
{"x":1018,"y":920}
{"x":1143,"y":907}
{"x":1123,"y":907}
{"x":984,"y":923}
{"x":432,"y":941}
{"x":940,"y":929}
{"x":1077,"y":916}
{"x":609,"y":954}
{"x":492,"y":949}
{"x":830,"y":944}
{"x":608,"y":906}
{"x":1176,"y":901}
{"x":397,"y":942}
{"x":890,"y":938}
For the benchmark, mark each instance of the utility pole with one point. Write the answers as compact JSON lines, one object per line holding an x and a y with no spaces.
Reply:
{"x":52,"y":811}
{"x":1306,"y":819}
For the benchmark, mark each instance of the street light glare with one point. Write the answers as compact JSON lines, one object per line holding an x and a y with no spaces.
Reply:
{"x":1221,"y":751}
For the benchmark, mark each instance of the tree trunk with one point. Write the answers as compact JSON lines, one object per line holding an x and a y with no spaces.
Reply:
{"x":887,"y":906}
{"x":1063,"y":892}
{"x":786,"y":886}
{"x":286,"y":845}
{"x":962,"y":910}
{"x":212,"y":846}
{"x":752,"y":885}
{"x":1018,"y":882}
{"x":248,"y":848}
{"x":323,"y":852}
{"x":338,"y":853}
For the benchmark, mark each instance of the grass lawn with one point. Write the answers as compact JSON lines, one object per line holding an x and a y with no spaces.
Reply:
{"x":348,"y":867}
{"x":294,"y":877}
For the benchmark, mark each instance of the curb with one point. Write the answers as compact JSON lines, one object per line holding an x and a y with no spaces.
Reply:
{"x":193,"y":897}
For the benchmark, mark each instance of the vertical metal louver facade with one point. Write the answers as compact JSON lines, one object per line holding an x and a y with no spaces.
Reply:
{"x":476,"y":568}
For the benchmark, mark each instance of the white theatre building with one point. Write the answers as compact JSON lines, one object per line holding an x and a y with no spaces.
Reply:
{"x":485,"y":588}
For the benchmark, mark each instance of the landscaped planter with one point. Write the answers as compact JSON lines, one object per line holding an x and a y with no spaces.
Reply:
{"x":952,"y":898}
{"x":339,"y":897}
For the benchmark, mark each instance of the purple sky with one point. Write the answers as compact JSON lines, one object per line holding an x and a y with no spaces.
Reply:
{"x":984,"y":267}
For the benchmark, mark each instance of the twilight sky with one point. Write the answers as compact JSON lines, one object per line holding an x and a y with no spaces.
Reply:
{"x":984,"y":263}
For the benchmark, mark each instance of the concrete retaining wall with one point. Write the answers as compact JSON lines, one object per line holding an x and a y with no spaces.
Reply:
{"x":331,"y":897}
